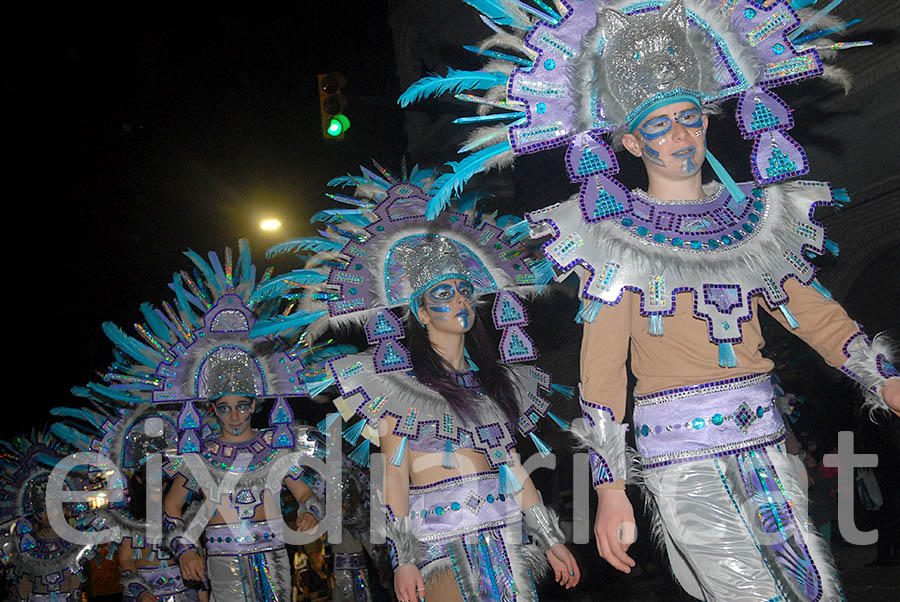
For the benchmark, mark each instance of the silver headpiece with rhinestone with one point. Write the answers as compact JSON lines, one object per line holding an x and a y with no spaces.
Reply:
{"x":230,"y":371}
{"x":645,"y":56}
{"x":429,"y":260}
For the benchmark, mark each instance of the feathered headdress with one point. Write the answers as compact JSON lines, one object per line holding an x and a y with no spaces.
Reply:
{"x":384,"y":254}
{"x":209,"y":342}
{"x":571,"y":74}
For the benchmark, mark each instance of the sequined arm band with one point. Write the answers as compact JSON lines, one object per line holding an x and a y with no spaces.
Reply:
{"x":604,"y":438}
{"x":401,"y":542}
{"x":133,"y":585}
{"x":869,"y":364}
{"x":542,"y":526}
{"x":314,"y":506}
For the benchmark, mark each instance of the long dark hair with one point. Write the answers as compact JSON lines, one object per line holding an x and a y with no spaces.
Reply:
{"x":431,"y":369}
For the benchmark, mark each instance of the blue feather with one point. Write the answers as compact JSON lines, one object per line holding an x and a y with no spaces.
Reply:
{"x":114,"y":393}
{"x":205,"y":269}
{"x":375,"y":178}
{"x":157,"y":326}
{"x":353,"y":216}
{"x":347,"y":180}
{"x":500,"y":13}
{"x":92,"y":418}
{"x":280,"y":324}
{"x":71,"y":435}
{"x":309,"y":243}
{"x":137,"y":350}
{"x":454,"y":82}
{"x":244,"y":262}
{"x":217,"y":269}
{"x":450,"y":184}
{"x":278,"y":286}
{"x":184,"y":303}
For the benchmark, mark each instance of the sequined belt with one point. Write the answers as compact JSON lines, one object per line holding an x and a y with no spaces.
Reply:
{"x":237,"y":539}
{"x":347,"y":561}
{"x":164,"y":581}
{"x":707,"y":420}
{"x":459,"y":505}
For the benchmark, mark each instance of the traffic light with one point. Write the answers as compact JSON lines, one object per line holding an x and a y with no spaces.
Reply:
{"x":331,"y":104}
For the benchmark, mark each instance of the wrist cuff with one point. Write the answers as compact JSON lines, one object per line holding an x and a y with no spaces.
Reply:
{"x":542,"y":525}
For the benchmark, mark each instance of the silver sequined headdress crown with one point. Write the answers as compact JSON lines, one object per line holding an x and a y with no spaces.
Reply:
{"x":230,"y":371}
{"x":429,"y":262}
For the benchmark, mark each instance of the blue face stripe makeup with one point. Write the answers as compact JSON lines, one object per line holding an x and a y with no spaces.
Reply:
{"x":652,"y":155}
{"x":691,"y":118}
{"x":656,"y":127}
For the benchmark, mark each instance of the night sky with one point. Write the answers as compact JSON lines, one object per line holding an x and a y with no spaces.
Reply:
{"x":147,"y":134}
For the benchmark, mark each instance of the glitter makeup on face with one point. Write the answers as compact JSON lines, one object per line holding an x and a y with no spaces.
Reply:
{"x":463,"y":317}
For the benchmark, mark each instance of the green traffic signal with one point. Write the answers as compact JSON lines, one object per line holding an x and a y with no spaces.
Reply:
{"x":338,"y":125}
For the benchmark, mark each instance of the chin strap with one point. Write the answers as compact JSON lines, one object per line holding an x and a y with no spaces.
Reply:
{"x":542,"y":525}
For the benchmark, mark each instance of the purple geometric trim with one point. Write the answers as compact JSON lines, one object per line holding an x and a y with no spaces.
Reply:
{"x":420,"y":424}
{"x":695,"y":389}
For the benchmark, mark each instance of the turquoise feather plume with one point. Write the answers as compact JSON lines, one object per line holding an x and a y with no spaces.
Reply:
{"x":71,"y":435}
{"x":93,"y":418}
{"x":244,"y":262}
{"x":309,"y":243}
{"x":347,"y":180}
{"x":205,"y":269}
{"x":450,"y":184}
{"x":135,"y":349}
{"x":157,"y":326}
{"x":454,"y":82}
{"x":501,"y":13}
{"x":280,"y":324}
{"x":278,"y":286}
{"x":353,"y":216}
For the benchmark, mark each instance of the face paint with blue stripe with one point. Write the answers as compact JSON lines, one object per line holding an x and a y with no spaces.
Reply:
{"x":450,"y":298}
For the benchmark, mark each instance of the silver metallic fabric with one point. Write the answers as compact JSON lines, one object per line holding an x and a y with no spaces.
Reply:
{"x":351,"y":578}
{"x":736,"y":528}
{"x":229,"y":371}
{"x":543,"y":526}
{"x":431,"y":259}
{"x":233,"y":578}
{"x":605,"y":438}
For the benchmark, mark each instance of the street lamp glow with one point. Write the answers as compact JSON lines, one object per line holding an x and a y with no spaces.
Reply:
{"x":270,"y":224}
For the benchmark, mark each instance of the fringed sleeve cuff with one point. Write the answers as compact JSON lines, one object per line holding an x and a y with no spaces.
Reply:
{"x":870,"y":364}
